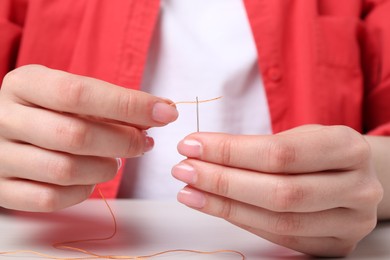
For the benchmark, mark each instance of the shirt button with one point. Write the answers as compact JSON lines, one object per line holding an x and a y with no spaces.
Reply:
{"x":274,"y":74}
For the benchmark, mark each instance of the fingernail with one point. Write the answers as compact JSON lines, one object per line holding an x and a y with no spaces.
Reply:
{"x":192,"y":198}
{"x":164,"y":113}
{"x":119,"y":162}
{"x":185,"y":173}
{"x":149,"y":142}
{"x":190,"y":148}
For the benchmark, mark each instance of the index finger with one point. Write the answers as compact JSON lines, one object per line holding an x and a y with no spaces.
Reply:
{"x":61,"y":91}
{"x":325,"y":148}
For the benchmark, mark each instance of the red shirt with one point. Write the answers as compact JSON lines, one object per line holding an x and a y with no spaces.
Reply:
{"x":322,"y":61}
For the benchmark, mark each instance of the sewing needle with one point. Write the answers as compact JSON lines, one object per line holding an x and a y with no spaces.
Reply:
{"x":197,"y":114}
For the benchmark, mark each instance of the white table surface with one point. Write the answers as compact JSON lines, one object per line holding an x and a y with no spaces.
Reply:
{"x":146,"y":227}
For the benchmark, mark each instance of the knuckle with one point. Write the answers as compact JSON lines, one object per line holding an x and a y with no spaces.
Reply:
{"x":222,"y":184}
{"x":48,"y":200}
{"x":72,"y":91}
{"x":127,"y":105}
{"x":375,"y":192}
{"x":10,"y":78}
{"x":225,"y":151}
{"x":371,"y":193}
{"x":357,"y":148}
{"x":280,"y":155}
{"x":72,"y":133}
{"x":378,"y":193}
{"x":285,"y":223}
{"x":361,"y":152}
{"x":63,"y":171}
{"x":17,"y":76}
{"x":287,"y":195}
{"x":227,"y":210}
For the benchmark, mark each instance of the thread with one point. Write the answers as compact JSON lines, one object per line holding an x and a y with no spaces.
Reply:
{"x":91,"y":255}
{"x":195,"y":102}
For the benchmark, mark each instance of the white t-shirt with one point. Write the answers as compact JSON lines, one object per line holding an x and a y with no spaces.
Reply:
{"x":203,"y":49}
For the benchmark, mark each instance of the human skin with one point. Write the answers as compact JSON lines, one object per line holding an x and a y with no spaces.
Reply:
{"x":314,"y":189}
{"x":60,"y":134}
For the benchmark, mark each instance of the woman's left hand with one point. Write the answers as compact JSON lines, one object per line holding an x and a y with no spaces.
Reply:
{"x":312,"y":189}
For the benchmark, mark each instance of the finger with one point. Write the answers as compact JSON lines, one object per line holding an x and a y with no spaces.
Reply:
{"x":282,"y":193}
{"x":339,"y":222}
{"x":67,"y":133}
{"x":61,"y":91}
{"x":32,"y":163}
{"x":322,"y":149}
{"x":297,"y":193}
{"x":32,"y":196}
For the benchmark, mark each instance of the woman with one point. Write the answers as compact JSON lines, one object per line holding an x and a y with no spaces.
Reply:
{"x":320,"y":70}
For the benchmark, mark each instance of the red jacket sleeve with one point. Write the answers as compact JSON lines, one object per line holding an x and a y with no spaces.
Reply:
{"x":11,"y":22}
{"x":376,"y":66}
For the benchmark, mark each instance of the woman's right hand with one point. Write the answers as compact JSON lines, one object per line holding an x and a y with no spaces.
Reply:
{"x":60,"y":134}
